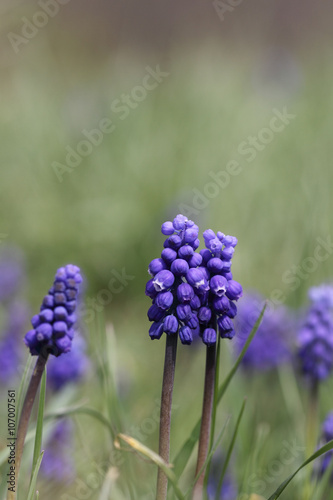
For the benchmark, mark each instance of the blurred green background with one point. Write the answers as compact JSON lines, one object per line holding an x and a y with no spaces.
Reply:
{"x":224,"y":79}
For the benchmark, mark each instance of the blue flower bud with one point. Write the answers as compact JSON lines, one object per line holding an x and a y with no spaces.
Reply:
{"x":195,"y":260}
{"x":227,"y":253}
{"x":205,"y":272}
{"x":156,"y":330}
{"x":214,"y":245}
{"x":209,"y":336}
{"x":228,"y":276}
{"x":225,"y":326}
{"x":185,"y":292}
{"x":179,"y":267}
{"x":150,"y":289}
{"x":221,"y":304}
{"x":218,"y":285}
{"x":60,"y":298}
{"x":206,"y":255}
{"x":196,"y":244}
{"x":208,"y":235}
{"x":185,"y":252}
{"x":59,"y":286}
{"x":195,"y":302}
{"x":35,"y":320}
{"x":63,"y":344}
{"x":174,"y":242}
{"x":71,"y":306}
{"x":170,"y":324}
{"x":215,"y":265}
{"x":204,"y":315}
{"x":164,"y":300}
{"x":220,"y":235}
{"x":184,"y":312}
{"x":43,"y":332}
{"x":169,"y":255}
{"x":179,"y":222}
{"x":191,"y":234}
{"x":234,"y":291}
{"x":185,"y":335}
{"x":60,"y":329}
{"x":230,"y":241}
{"x":46,"y":315}
{"x":232,"y":310}
{"x":48,"y":301}
{"x":192,"y":322}
{"x":196,"y":278}
{"x":167,"y":228}
{"x":155,"y":313}
{"x":156,"y":266}
{"x":163,"y":280}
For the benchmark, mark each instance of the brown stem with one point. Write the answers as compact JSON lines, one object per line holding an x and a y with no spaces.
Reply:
{"x":205,"y":420}
{"x":165,"y":415}
{"x":25,"y":417}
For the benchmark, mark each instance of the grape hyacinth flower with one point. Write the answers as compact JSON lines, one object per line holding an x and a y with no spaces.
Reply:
{"x":326,"y":435}
{"x":192,"y":294}
{"x":53,"y":331}
{"x":53,"y":327}
{"x":316,"y":335}
{"x":271,"y":345}
{"x":57,"y":464}
{"x":10,"y":352}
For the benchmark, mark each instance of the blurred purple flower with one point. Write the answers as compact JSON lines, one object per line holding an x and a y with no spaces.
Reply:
{"x":58,"y":463}
{"x":12,"y":272}
{"x":325,"y":460}
{"x":315,"y":337}
{"x":71,"y":367}
{"x":271,"y":345}
{"x":229,"y":489}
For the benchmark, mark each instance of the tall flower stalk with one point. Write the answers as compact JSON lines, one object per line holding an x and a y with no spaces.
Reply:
{"x":52,"y":334}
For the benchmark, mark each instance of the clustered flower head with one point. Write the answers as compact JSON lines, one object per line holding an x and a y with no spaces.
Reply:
{"x":271,"y":345}
{"x":316,"y":335}
{"x":53,"y":327}
{"x":193,"y":293}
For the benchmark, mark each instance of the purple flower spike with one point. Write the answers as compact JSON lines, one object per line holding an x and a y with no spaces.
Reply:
{"x":51,"y":336}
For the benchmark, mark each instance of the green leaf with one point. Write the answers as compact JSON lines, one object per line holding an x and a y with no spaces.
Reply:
{"x":40,"y":419}
{"x":230,"y":449}
{"x":327,"y":447}
{"x":185,"y":452}
{"x":154,"y":457}
{"x":32,"y":488}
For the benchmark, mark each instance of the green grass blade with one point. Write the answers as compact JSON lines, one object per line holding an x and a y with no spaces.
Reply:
{"x":64,"y":412}
{"x":327,"y":447}
{"x":230,"y":450}
{"x":39,"y":426}
{"x":185,"y":452}
{"x":154,"y":457}
{"x":32,"y":488}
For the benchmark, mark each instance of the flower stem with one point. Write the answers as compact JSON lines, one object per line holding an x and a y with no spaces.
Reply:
{"x":25,"y":417}
{"x":165,"y":415}
{"x":205,"y":419}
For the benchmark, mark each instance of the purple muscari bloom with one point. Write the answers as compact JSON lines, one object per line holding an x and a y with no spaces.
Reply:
{"x":176,"y":283}
{"x":229,"y":489}
{"x":325,"y":461}
{"x":10,"y":352}
{"x":12,"y":273}
{"x":271,"y":345}
{"x":58,"y":464}
{"x":315,"y":337}
{"x":195,"y":288}
{"x":69,"y":368}
{"x":49,"y":335}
